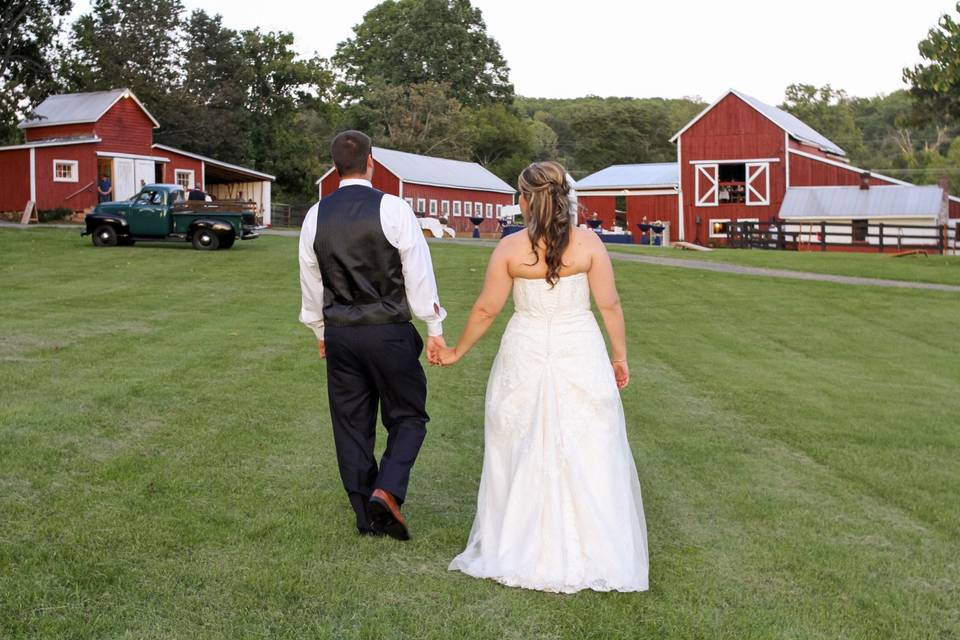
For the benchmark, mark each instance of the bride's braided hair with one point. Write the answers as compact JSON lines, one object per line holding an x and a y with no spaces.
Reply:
{"x":545,"y":187}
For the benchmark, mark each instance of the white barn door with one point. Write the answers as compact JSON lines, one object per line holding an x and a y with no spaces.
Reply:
{"x":705,"y":179}
{"x":145,"y":172}
{"x":124,"y":179}
{"x":758,"y":184}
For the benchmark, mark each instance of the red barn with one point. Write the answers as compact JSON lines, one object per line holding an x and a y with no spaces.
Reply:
{"x":75,"y":139}
{"x":737,"y":161}
{"x":646,"y":192}
{"x":437,"y":187}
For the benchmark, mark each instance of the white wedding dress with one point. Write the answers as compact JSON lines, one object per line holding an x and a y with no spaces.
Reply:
{"x":559,"y":507}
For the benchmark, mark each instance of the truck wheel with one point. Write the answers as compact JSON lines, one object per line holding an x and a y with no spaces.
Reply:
{"x":104,"y":236}
{"x":226,"y":243}
{"x":205,"y":240}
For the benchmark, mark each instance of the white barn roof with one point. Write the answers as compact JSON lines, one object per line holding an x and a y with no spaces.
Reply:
{"x":854,"y":202}
{"x":786,"y":121}
{"x":632,"y":176}
{"x":79,"y":108}
{"x":440,"y":172}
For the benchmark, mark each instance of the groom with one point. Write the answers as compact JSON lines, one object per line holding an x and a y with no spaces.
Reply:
{"x":364,"y":269}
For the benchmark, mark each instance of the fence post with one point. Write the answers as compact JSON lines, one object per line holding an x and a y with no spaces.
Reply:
{"x":941,"y":239}
{"x":823,"y":236}
{"x":780,"y":236}
{"x":881,"y":237}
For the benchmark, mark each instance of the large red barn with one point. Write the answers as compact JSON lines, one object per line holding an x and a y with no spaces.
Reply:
{"x":736,"y":162}
{"x":74,"y":139}
{"x":437,"y":187}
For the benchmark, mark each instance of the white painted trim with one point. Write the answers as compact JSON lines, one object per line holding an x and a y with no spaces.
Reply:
{"x":620,"y":188}
{"x":216,"y":163}
{"x":762,"y":168}
{"x":786,"y":156}
{"x":409,"y":201}
{"x":681,"y":233}
{"x":457,"y":207}
{"x":701,"y":199}
{"x":203,"y":175}
{"x":434,"y":207}
{"x":74,"y":170}
{"x":711,"y":222}
{"x":401,"y":188}
{"x":850,"y":167}
{"x":33,"y":175}
{"x":745,"y":161}
{"x":132,"y":156}
{"x":955,"y":199}
{"x":421,"y":205}
{"x":467,"y":209}
{"x":50,"y":143}
{"x":445,"y":204}
{"x":192,"y":181}
{"x":488,"y":209}
{"x":628,"y":193}
{"x":320,"y":179}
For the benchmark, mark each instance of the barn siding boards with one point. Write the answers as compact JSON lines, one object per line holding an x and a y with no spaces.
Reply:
{"x":808,"y":172}
{"x":182,"y":162}
{"x":653,"y":208}
{"x":14,"y":179}
{"x":732,"y":130}
{"x":51,"y":194}
{"x":125,"y":128}
{"x":59,"y":131}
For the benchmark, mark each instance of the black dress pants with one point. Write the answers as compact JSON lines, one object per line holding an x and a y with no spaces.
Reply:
{"x":369,"y":366}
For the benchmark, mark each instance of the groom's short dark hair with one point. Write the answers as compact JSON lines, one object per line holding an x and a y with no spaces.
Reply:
{"x":350,"y":151}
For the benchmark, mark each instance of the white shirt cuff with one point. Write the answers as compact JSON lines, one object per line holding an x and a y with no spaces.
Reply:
{"x":317,"y":330}
{"x":435,"y":328}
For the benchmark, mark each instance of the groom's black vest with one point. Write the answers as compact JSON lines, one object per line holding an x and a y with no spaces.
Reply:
{"x":362,"y":273}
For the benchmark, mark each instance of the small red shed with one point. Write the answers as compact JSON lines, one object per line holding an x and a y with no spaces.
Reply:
{"x":437,"y":187}
{"x":647,"y":192}
{"x":75,"y":139}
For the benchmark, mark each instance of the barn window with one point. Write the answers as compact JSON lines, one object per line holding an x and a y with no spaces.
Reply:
{"x":499,"y":211}
{"x":489,"y":210}
{"x":732,"y":186}
{"x":478,"y":209}
{"x":184,"y":178}
{"x":421,"y":205}
{"x":719,"y":228}
{"x":433,"y":207}
{"x":409,"y":201}
{"x":468,"y":209}
{"x":456,"y":208}
{"x":445,"y":208}
{"x":859,"y":230}
{"x":65,"y":171}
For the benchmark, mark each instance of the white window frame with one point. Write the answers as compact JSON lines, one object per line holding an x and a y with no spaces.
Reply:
{"x":176,"y":178}
{"x":74,"y":170}
{"x":445,"y":208}
{"x":761,"y":168}
{"x":713,"y":221}
{"x":467,"y":209}
{"x":433,"y":207}
{"x":478,"y":209}
{"x":409,"y":201}
{"x":489,"y":209}
{"x":456,"y":208}
{"x":421,"y":205}
{"x":499,"y":211}
{"x":704,"y":199}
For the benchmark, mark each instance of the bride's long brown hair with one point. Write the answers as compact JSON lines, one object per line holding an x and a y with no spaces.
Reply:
{"x":545,"y":187}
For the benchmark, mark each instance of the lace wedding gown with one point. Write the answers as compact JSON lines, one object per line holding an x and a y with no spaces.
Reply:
{"x":559,"y":507}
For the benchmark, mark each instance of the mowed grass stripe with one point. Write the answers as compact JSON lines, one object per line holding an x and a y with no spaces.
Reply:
{"x":167,"y":467}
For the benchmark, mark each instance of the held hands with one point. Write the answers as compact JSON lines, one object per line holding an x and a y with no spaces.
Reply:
{"x":434,"y":345}
{"x":448,"y":357}
{"x":621,"y":373}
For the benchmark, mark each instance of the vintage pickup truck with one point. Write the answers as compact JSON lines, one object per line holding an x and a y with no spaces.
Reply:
{"x":161,"y":212}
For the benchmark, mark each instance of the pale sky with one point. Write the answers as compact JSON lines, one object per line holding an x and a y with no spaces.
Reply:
{"x":668,"y":49}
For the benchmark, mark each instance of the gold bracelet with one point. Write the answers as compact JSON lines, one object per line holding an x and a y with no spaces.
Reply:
{"x":613,"y":361}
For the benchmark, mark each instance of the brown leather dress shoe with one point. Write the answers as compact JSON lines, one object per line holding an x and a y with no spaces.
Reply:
{"x":385,"y":512}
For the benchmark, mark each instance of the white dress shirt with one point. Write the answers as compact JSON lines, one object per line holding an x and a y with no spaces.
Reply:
{"x":402,"y":230}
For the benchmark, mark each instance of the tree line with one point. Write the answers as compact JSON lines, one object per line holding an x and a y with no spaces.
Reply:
{"x":421,"y":76}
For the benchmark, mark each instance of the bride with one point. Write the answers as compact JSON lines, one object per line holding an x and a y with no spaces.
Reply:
{"x":559,"y":506}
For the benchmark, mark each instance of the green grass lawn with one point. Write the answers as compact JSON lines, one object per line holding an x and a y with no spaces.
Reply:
{"x":917,"y":268}
{"x":167,"y":465}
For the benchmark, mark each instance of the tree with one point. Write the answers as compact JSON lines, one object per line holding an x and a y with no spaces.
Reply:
{"x":936,"y":83}
{"x":409,"y":42}
{"x":419,"y":118}
{"x":828,"y":111}
{"x":500,"y":140}
{"x":28,"y":32}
